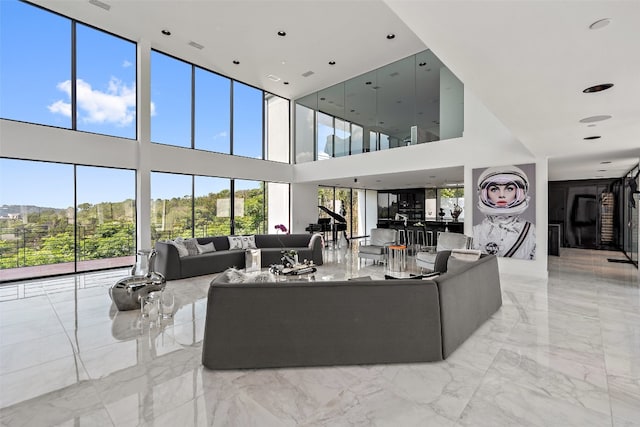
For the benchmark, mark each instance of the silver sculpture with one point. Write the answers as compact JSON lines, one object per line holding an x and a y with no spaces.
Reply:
{"x":127,"y":293}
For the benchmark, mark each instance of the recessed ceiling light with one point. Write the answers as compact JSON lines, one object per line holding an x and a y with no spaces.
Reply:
{"x":422,"y":64}
{"x":601,"y":23}
{"x":602,"y":170}
{"x":282,"y":33}
{"x":605,"y":162}
{"x":391,"y":36}
{"x":285,"y":83}
{"x":166,"y":32}
{"x":235,"y":61}
{"x":598,"y":88}
{"x":322,"y":99}
{"x":590,"y":138}
{"x":332,"y":62}
{"x":595,"y":118}
{"x":381,"y":123}
{"x":353,"y":111}
{"x":367,"y":83}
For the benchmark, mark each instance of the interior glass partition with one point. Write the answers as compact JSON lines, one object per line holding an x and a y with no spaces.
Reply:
{"x":412,"y":101}
{"x":305,"y":130}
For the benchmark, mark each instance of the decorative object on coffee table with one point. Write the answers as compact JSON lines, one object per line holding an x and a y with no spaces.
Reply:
{"x":253,"y":260}
{"x":289,"y":258}
{"x":128,"y":292}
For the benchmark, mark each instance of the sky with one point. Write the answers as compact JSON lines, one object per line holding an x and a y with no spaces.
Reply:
{"x":106,"y":104}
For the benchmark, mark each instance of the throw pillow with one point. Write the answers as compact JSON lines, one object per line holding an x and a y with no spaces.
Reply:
{"x":249,"y":242}
{"x":192,"y":246}
{"x":179,"y":245}
{"x":235,"y":242}
{"x":203,"y":249}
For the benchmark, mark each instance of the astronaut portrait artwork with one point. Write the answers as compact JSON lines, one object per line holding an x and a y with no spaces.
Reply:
{"x":504,"y":213}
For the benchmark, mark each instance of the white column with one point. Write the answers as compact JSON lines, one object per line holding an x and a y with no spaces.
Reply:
{"x":143,"y":175}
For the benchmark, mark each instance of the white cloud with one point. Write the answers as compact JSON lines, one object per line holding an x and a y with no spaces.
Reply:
{"x":115,"y":106}
{"x":60,"y":107}
{"x":153,"y":109}
{"x":126,"y":64}
{"x":222,"y":134}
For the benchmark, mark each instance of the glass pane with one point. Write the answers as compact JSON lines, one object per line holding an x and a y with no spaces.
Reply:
{"x":431,"y":203}
{"x":356,"y":139}
{"x":373,"y":141}
{"x":212,"y":207}
{"x":277,"y":206}
{"x":213,"y":112}
{"x":449,"y":197}
{"x":305,"y":128}
{"x":170,"y":206}
{"x":248,"y":205}
{"x":341,"y":139}
{"x":343,"y":207}
{"x":247,"y":121}
{"x":106,"y":212}
{"x":36,"y":219}
{"x":325,"y":136}
{"x":26,"y":51}
{"x":276,"y":128}
{"x":384,"y":142}
{"x":106,"y":83}
{"x":170,"y":100}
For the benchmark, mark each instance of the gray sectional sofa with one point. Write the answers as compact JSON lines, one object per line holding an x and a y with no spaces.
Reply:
{"x":289,"y":324}
{"x":172,"y":266}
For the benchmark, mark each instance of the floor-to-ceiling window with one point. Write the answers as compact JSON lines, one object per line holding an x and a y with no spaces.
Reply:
{"x":171,"y":206}
{"x":211,"y":206}
{"x":105,"y":216}
{"x":248,"y":202}
{"x":58,"y":218}
{"x":247,"y":121}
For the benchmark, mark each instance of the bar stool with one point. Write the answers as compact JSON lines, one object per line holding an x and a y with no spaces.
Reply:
{"x":410,"y":239}
{"x":402,"y":236}
{"x":421,"y":240}
{"x":397,"y":257}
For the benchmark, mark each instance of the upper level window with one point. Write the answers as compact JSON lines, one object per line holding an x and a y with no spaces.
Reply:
{"x":247,"y":121}
{"x":212,"y":112}
{"x":170,"y":100}
{"x":105,"y":83}
{"x":28,"y":94}
{"x":105,"y":74}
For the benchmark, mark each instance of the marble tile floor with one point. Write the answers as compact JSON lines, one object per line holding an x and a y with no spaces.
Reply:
{"x":560,"y":352}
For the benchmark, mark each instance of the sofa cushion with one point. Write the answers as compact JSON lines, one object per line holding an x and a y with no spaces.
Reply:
{"x":235,"y":242}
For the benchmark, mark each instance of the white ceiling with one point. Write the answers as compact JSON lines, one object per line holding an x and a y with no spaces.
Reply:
{"x":526,"y":60}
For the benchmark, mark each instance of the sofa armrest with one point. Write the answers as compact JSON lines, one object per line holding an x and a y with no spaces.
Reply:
{"x":317,"y":249}
{"x":468,"y":297}
{"x":440,"y":264}
{"x":167,"y":261}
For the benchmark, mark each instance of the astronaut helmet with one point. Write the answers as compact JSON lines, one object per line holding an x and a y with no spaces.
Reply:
{"x":496,"y":178}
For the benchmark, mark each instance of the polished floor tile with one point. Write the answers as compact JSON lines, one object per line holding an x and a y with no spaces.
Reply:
{"x":564,"y":351}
